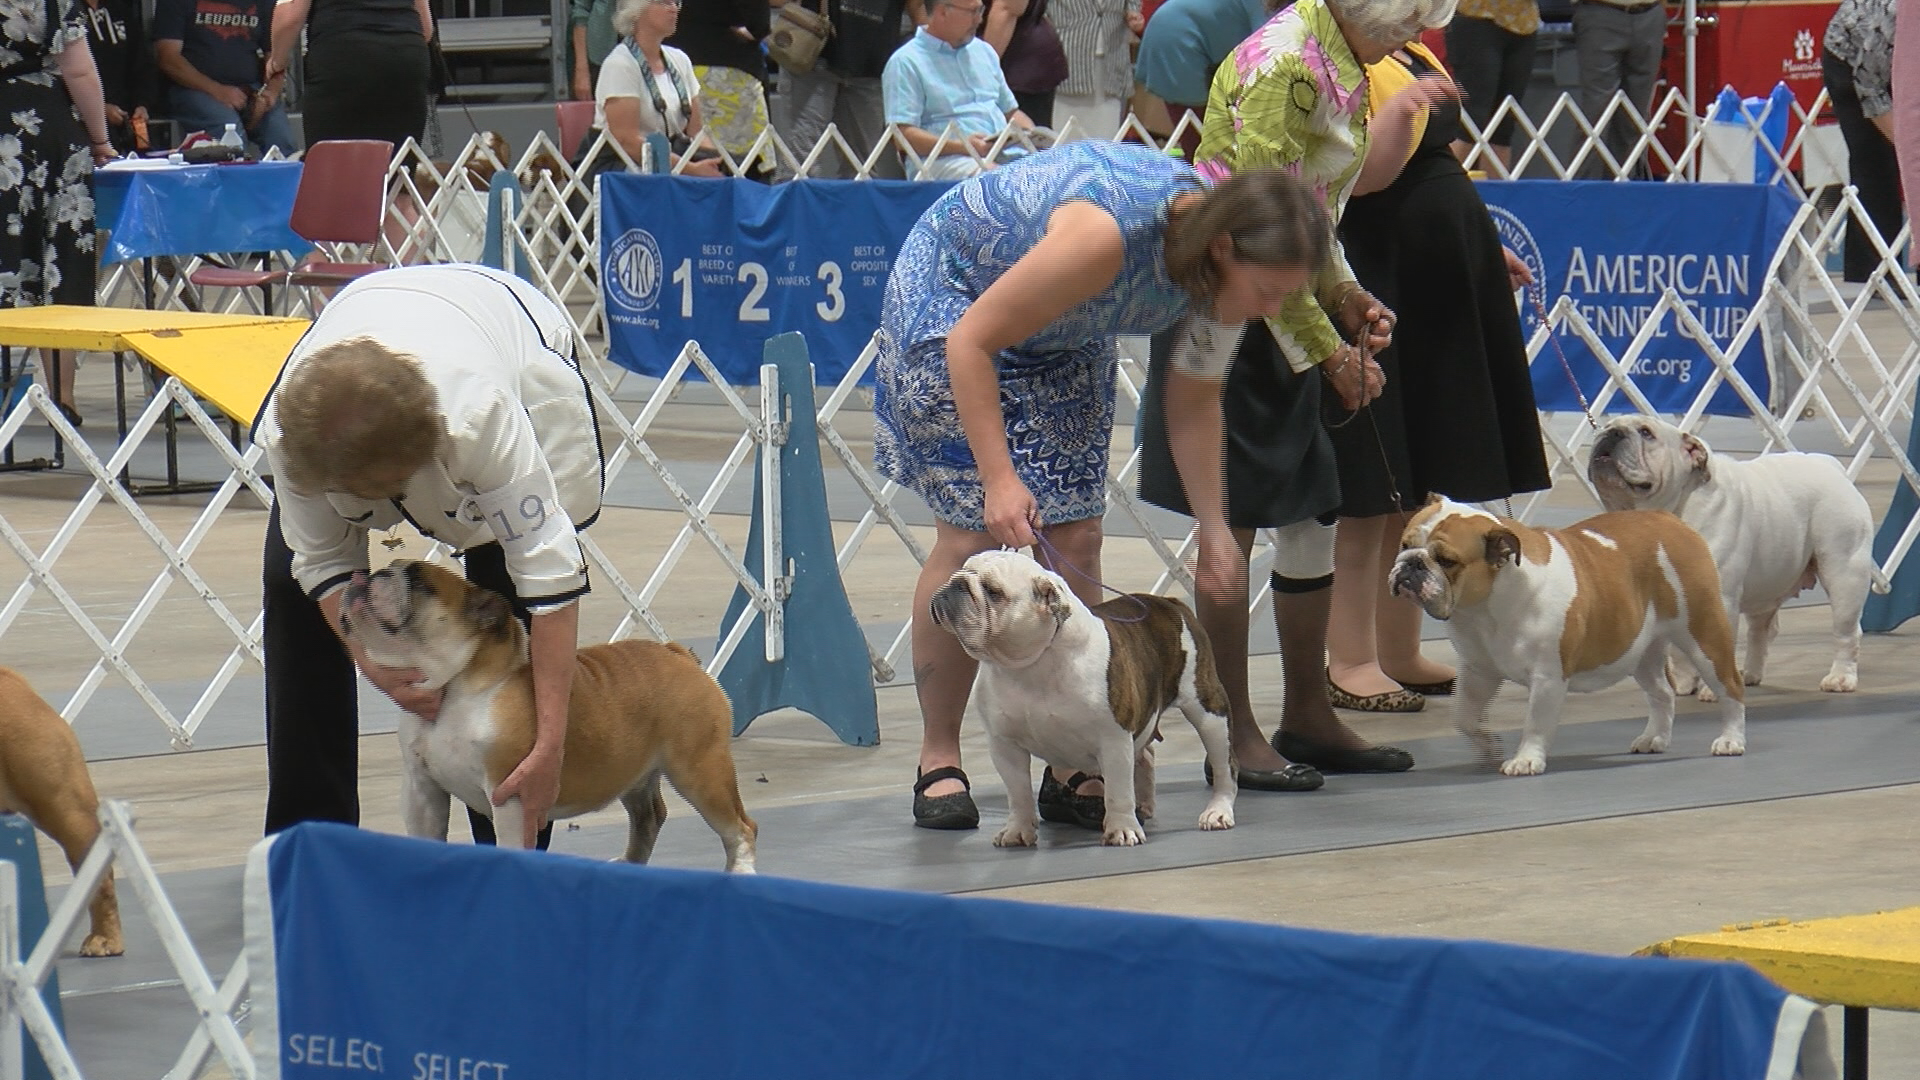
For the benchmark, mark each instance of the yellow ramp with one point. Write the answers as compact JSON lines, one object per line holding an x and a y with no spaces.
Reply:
{"x":103,"y":329}
{"x":1866,"y":961}
{"x":231,"y":366}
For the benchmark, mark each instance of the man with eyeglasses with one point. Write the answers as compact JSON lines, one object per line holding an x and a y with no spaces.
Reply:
{"x":947,"y":95}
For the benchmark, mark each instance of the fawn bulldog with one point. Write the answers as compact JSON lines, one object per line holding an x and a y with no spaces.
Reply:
{"x":1578,"y":608}
{"x":1083,"y":688}
{"x":1776,"y":525}
{"x":44,"y":776}
{"x":639,"y":709}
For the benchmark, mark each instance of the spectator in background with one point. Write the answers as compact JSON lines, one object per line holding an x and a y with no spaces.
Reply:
{"x":1619,"y":46}
{"x":1906,"y":109}
{"x":646,"y":87}
{"x":366,"y":71}
{"x":211,"y":53}
{"x":590,"y":26}
{"x":1490,"y":44}
{"x":1031,"y":56}
{"x":945,"y":75}
{"x":1099,"y":82}
{"x":1183,"y":43}
{"x":843,"y":89}
{"x":722,"y":38}
{"x":1857,"y":61}
{"x":118,"y":36}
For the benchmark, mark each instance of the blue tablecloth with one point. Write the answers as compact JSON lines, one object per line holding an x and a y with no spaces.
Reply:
{"x":197,"y":209}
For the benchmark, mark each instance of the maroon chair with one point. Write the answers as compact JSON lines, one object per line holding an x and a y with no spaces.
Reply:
{"x":574,"y":119}
{"x":341,"y":200}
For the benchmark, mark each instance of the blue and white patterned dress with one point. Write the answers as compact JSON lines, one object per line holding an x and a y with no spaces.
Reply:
{"x":1056,"y":388}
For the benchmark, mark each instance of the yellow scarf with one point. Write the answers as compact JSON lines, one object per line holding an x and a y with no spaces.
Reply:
{"x":1389,"y":77}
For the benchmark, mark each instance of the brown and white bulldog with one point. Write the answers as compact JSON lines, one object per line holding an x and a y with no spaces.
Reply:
{"x":639,"y":709}
{"x":44,"y":776}
{"x":1578,"y":608}
{"x":1083,"y":688}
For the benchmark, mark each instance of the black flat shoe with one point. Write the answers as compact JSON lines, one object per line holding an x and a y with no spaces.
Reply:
{"x":948,"y":812}
{"x":1063,"y":804}
{"x":1295,"y":777}
{"x":72,"y":414}
{"x":1334,"y":759}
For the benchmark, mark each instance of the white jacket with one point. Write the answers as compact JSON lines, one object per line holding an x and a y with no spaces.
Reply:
{"x":521,"y":462}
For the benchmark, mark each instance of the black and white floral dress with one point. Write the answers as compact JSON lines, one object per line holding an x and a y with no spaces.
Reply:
{"x":46,"y":199}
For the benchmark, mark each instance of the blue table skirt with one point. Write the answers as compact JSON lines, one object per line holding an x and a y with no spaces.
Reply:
{"x":197,"y":209}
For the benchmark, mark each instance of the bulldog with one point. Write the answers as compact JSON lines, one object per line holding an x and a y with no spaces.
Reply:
{"x":1570,"y":609}
{"x":44,"y":776}
{"x":1082,"y":688}
{"x":1776,"y":525}
{"x":639,"y":709}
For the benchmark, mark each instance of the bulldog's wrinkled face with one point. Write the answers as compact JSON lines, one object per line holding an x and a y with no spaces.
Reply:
{"x":1449,"y":555}
{"x":1004,"y":607}
{"x":1645,"y":463}
{"x":414,"y":614}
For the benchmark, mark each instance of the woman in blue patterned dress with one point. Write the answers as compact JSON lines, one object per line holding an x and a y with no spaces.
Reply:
{"x":997,"y":365}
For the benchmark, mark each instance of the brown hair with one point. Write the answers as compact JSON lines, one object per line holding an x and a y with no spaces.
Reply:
{"x":356,"y":409}
{"x":1272,"y":217}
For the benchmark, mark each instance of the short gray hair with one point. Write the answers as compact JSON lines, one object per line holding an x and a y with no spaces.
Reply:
{"x":627,"y":13}
{"x":1393,"y":22}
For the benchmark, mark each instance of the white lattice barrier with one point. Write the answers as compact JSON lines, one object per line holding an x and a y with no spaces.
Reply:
{"x":1829,"y":373}
{"x":25,"y":965}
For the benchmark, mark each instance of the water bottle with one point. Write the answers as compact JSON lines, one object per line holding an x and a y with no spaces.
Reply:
{"x":233,"y":139}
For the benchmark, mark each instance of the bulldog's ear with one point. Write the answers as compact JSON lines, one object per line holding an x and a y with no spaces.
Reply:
{"x":488,"y":611}
{"x":1503,"y":547}
{"x":1046,"y":592}
{"x":1699,"y":454}
{"x":1434,"y":498}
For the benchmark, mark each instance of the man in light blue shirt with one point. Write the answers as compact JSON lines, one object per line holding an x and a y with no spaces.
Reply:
{"x":946,"y":75}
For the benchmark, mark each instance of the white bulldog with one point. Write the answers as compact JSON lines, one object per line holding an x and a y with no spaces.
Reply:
{"x":1578,"y":608}
{"x":1776,"y":525}
{"x":1083,"y":688}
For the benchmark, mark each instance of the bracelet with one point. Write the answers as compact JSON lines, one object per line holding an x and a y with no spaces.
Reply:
{"x":1345,"y":359}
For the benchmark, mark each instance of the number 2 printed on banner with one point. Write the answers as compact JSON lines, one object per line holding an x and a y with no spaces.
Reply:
{"x":754,"y":276}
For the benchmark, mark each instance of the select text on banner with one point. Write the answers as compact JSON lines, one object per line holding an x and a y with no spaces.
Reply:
{"x":730,"y":263}
{"x":1616,"y":249}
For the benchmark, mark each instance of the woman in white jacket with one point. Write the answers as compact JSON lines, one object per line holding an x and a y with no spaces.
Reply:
{"x":446,"y":397}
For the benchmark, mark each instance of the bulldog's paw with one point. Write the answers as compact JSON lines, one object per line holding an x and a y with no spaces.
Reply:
{"x":1750,"y":678}
{"x":101,"y":945}
{"x":1524,"y":765}
{"x":1017,"y":834}
{"x":1706,"y":696}
{"x":1728,"y":746}
{"x":1143,"y":810}
{"x":1123,"y":834}
{"x":1841,"y":682}
{"x":1216,"y":817}
{"x":1685,"y":682}
{"x":1649,"y":744}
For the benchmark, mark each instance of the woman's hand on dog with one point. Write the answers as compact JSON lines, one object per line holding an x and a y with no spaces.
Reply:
{"x":403,"y":686}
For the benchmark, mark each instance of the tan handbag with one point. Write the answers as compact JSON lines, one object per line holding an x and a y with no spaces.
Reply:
{"x":798,"y":34}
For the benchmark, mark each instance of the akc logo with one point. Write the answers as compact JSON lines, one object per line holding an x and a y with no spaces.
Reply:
{"x":633,"y":271}
{"x":1531,"y":298}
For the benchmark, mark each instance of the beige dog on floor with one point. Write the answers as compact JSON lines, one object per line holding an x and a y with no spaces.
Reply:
{"x":44,"y":776}
{"x":639,"y":710}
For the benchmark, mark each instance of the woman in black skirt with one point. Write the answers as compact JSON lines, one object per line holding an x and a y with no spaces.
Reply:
{"x":1457,"y":416}
{"x":366,"y":66}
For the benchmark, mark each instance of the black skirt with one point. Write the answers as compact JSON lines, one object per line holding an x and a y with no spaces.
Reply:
{"x":366,"y":84}
{"x":1280,"y":464}
{"x":1458,"y":415}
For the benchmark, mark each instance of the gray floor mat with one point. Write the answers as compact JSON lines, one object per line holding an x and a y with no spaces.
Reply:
{"x":127,"y":1017}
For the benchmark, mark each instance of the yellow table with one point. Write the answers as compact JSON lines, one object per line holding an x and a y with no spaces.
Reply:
{"x":228,"y":360}
{"x":1859,"y":962}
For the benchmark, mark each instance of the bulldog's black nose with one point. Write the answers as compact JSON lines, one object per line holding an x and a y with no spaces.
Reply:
{"x":1608,"y":439}
{"x":947,"y":602}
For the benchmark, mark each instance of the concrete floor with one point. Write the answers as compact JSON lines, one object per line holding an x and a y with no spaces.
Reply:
{"x":1607,"y":886}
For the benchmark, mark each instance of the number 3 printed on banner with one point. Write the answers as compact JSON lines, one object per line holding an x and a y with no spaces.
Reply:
{"x":754,"y":276}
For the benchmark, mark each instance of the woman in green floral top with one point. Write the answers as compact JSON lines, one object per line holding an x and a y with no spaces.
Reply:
{"x":1294,"y":95}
